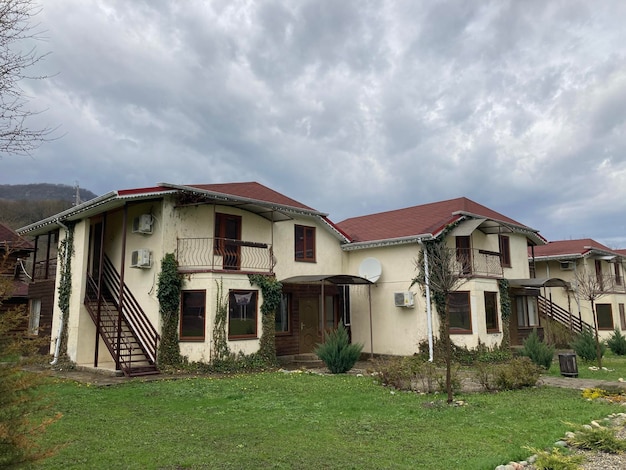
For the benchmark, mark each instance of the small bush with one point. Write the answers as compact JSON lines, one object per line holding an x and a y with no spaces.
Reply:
{"x":414,"y":373}
{"x":517,"y":373}
{"x":538,"y":351}
{"x":337,"y":352}
{"x":465,"y":356}
{"x":597,"y":438}
{"x":585,"y":346}
{"x":617,"y":343}
{"x":555,"y":460}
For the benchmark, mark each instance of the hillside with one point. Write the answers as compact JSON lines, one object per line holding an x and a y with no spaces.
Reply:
{"x":23,"y":204}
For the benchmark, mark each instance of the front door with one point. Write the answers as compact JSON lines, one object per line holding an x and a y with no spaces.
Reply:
{"x":309,"y":323}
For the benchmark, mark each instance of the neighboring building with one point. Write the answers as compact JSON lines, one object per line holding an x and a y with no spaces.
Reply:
{"x":358,"y":271}
{"x":585,"y":265}
{"x":14,"y":251}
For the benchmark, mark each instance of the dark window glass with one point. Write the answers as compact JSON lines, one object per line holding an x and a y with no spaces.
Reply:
{"x":605,"y":316}
{"x":491,"y":311}
{"x":460,"y":312}
{"x":242,"y":313}
{"x":192,"y":315}
{"x":304,"y":245}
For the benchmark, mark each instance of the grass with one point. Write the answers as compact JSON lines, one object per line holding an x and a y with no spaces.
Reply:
{"x":615,"y":368}
{"x":277,"y":420}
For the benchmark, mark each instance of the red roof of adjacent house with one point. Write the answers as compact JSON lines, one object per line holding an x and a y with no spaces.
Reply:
{"x":252,"y":190}
{"x":578,"y":247}
{"x":8,"y":237}
{"x":426,"y":219}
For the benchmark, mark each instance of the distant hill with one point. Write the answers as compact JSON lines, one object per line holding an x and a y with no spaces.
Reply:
{"x":43,"y":192}
{"x":24,"y":204}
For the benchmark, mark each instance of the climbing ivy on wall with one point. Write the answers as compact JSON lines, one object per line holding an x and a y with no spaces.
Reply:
{"x":65,"y":254}
{"x":169,"y":286}
{"x":220,"y":343}
{"x":272,"y":290}
{"x":505,"y":311}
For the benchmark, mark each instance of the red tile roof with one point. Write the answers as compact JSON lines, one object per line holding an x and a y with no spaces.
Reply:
{"x":417,"y":220}
{"x":578,"y":247}
{"x":252,"y":190}
{"x":8,"y":237}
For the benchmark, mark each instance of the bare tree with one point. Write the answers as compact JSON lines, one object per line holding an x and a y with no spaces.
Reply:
{"x":591,"y":287}
{"x":445,"y":275}
{"x":16,"y":30}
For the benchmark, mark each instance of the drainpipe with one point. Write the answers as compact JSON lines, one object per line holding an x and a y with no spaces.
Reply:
{"x":57,"y":347}
{"x":428,"y":308}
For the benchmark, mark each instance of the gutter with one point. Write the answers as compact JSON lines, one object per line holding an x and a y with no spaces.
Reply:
{"x":429,"y":313}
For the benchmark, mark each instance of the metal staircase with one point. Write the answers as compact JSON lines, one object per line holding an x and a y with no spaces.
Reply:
{"x":552,"y":311}
{"x":126,"y":331}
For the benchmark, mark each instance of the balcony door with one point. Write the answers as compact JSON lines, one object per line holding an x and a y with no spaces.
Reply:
{"x":227,"y":240}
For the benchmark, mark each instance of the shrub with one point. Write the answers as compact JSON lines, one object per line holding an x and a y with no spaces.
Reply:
{"x":617,"y":343}
{"x":337,"y":352}
{"x":585,"y":346}
{"x":514,"y":374}
{"x":415,"y":374}
{"x":555,"y":460}
{"x":538,"y":351}
{"x":597,"y":438}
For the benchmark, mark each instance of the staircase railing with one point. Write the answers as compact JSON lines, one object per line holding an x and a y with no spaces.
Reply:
{"x":559,"y":314}
{"x":132,"y":313}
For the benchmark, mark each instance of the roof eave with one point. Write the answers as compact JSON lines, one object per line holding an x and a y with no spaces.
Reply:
{"x":411,"y":239}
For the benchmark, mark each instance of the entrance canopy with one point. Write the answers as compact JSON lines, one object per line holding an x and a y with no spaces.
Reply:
{"x":544,"y":282}
{"x":341,"y":279}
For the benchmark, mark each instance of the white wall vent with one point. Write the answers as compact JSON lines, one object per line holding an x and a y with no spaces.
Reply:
{"x":141,"y":258}
{"x":567,"y":265}
{"x":404,"y":299}
{"x":143,"y":224}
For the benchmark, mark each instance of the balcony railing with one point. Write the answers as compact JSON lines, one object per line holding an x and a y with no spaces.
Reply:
{"x":481,"y":263}
{"x":224,"y":254}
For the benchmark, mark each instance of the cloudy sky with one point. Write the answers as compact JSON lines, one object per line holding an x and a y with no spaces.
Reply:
{"x":351,"y":107}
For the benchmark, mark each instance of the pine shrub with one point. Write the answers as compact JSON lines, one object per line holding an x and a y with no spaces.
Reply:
{"x":585,"y":346}
{"x":617,"y":343}
{"x":337,"y":352}
{"x":538,"y":351}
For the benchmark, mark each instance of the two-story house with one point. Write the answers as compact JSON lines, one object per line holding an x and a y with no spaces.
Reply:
{"x":588,"y":270}
{"x":357,"y":272}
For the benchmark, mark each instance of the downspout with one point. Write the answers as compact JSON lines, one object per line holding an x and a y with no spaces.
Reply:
{"x":57,"y":346}
{"x":428,"y":308}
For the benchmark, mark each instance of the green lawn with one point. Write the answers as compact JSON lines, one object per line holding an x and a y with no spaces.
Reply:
{"x":277,"y":420}
{"x":613,"y":368}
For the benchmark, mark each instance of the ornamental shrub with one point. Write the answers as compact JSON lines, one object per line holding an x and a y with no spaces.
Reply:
{"x":538,"y":351}
{"x":337,"y":352}
{"x":585,"y":346}
{"x":617,"y":343}
{"x":518,"y":373}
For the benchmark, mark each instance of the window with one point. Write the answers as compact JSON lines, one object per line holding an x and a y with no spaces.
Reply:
{"x":242,"y":313}
{"x":605,"y":316}
{"x":527,"y":312}
{"x":35,"y":315}
{"x":227,"y":236}
{"x":304,"y":243}
{"x":505,"y":251}
{"x":599,"y":277}
{"x":192,"y":315}
{"x":329,"y":313}
{"x":464,"y":254}
{"x":618,"y":274}
{"x":491,"y":311}
{"x":460,"y":312}
{"x":622,"y":317}
{"x":282,"y":315}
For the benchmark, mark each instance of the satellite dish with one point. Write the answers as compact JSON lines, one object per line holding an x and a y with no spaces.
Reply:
{"x":370,"y":269}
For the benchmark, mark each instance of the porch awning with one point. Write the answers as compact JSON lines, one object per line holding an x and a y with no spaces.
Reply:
{"x":543,"y":282}
{"x":341,"y":279}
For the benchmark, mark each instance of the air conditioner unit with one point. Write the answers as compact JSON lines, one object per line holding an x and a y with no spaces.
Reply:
{"x":141,"y":259}
{"x":567,"y":265}
{"x":404,"y":299}
{"x":143,"y":224}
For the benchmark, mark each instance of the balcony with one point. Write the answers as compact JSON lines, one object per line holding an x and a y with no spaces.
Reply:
{"x":478,"y":263}
{"x":224,"y":255}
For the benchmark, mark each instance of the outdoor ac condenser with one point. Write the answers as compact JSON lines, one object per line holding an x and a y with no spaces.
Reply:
{"x":141,"y":258}
{"x":142,"y":224}
{"x":404,"y":299}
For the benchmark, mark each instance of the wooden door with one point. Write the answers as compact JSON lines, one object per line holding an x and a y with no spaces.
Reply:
{"x":309,"y":308}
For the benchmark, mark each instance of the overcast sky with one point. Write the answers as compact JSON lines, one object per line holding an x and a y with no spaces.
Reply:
{"x":351,"y":107}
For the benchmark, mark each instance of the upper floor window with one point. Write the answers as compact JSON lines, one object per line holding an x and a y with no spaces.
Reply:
{"x":505,"y":251}
{"x":618,"y":274}
{"x":227,"y":236}
{"x":304,"y":243}
{"x":464,"y":253}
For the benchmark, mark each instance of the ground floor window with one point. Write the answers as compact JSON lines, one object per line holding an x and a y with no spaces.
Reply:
{"x":242,"y":313}
{"x":34,"y":317}
{"x":192,"y":315}
{"x":527,"y":311}
{"x":283,"y":314}
{"x":622,"y":317}
{"x":491,"y":312}
{"x":604,"y":314}
{"x":460,"y":312}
